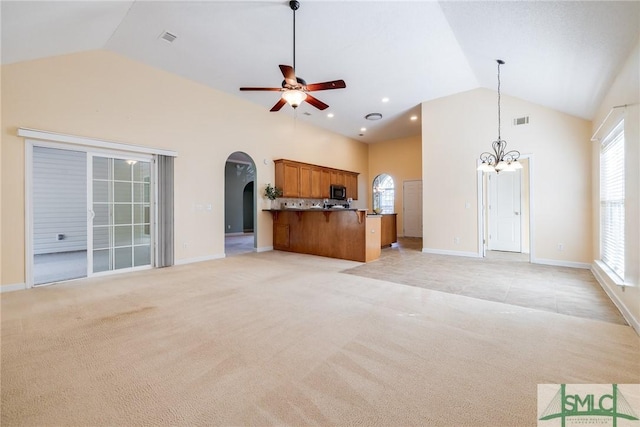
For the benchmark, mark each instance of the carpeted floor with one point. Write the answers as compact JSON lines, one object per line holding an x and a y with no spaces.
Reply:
{"x":500,"y":277}
{"x":277,"y":338}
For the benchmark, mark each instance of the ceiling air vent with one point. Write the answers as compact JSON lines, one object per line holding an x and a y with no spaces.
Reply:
{"x":521,"y":121}
{"x":167,"y":36}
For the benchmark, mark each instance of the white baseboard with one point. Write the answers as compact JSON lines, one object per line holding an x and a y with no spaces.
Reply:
{"x":13,"y":287}
{"x":607,"y":284}
{"x":264,"y":249}
{"x":559,"y":263}
{"x":198,"y":259}
{"x":447,"y":252}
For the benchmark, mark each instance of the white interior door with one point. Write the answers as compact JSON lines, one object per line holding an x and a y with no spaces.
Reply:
{"x":412,"y":208}
{"x":505,"y":212}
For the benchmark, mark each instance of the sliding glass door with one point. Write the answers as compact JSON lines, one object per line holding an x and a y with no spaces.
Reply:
{"x":121,"y":220}
{"x":90,"y":212}
{"x":59,"y":211}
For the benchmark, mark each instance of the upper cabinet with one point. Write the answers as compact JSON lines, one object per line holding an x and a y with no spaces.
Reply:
{"x":288,"y":178}
{"x":310,"y":181}
{"x":304,"y":180}
{"x":351,"y":182}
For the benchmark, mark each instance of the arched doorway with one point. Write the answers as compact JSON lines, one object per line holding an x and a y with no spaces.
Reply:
{"x":239,"y":204}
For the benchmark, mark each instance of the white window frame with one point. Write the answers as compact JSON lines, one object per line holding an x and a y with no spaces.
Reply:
{"x":382,"y":194}
{"x":612,"y":191}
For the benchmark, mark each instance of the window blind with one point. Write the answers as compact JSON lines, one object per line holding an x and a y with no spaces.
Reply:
{"x":612,"y":200}
{"x":165,"y":255}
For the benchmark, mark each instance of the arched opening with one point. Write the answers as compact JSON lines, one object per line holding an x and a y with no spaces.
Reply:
{"x":248,"y":208}
{"x":383,"y":194}
{"x":239,"y":204}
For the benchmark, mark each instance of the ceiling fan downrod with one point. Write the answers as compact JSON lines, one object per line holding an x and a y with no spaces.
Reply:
{"x":294,"y":5}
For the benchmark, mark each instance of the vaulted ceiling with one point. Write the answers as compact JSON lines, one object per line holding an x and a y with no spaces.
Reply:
{"x":560,"y":54}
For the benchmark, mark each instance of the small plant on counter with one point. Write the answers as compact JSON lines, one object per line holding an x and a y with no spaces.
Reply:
{"x":272,"y":193}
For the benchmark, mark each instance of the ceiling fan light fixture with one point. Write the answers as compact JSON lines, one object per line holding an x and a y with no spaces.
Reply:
{"x":294,"y":97}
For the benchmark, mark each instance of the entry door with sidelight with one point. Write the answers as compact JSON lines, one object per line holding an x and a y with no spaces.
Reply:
{"x":120,"y":216}
{"x":504,"y":212}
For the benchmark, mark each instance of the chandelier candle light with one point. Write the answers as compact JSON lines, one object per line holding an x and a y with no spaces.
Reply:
{"x":500,"y":160}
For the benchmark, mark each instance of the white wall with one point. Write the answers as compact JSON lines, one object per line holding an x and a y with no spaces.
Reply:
{"x":456,"y":129}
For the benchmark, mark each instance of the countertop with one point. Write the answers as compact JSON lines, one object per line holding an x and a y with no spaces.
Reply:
{"x":368,"y":213}
{"x":313,"y":209}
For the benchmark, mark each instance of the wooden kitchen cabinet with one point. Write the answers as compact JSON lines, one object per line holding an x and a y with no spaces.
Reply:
{"x":303,"y":180}
{"x":309,"y":182}
{"x":325,"y":183}
{"x":389,"y":230}
{"x":351,"y":182}
{"x":337,"y":177}
{"x":288,"y":178}
{"x":316,"y":183}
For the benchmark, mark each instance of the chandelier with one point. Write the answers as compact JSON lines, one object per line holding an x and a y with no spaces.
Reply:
{"x":500,"y":160}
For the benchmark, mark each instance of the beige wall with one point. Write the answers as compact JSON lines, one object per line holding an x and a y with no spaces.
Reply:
{"x":624,"y":90}
{"x":102,"y":95}
{"x":456,"y":129}
{"x":399,"y":158}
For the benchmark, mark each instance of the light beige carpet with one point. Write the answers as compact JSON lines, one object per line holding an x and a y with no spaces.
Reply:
{"x":285,"y":339}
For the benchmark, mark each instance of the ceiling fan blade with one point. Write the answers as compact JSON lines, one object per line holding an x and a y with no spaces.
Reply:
{"x":289,"y":75}
{"x":278,"y":105}
{"x":316,"y":102}
{"x":273,"y":89}
{"x":336,"y":84}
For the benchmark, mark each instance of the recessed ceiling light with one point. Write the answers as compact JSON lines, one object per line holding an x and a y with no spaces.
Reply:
{"x":330,"y":115}
{"x":414,"y":118}
{"x":373,"y":116}
{"x":363,"y":129}
{"x":385,"y":99}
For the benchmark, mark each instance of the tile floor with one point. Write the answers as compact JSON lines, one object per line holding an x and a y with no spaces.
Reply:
{"x":502,"y":277}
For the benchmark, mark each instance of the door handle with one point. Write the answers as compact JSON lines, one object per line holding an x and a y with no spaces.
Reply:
{"x":517,"y":213}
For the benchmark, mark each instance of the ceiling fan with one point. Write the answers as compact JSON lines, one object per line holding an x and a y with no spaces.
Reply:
{"x":295,"y":90}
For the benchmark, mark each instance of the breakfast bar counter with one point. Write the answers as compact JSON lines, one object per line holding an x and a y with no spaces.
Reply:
{"x":349,"y":234}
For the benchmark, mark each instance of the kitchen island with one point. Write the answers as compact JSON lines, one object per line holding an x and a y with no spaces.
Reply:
{"x":349,"y":234}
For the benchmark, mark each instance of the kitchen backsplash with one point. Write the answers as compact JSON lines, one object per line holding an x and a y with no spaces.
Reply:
{"x":307,"y":203}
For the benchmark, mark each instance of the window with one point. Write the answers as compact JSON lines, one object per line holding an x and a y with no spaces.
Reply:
{"x":383,"y":193}
{"x":612,"y":200}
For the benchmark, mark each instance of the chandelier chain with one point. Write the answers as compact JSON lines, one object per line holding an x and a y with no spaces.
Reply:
{"x":499,"y":138}
{"x":500,"y":159}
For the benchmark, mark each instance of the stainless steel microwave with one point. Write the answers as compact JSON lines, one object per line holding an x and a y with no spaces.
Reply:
{"x":338,"y":192}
